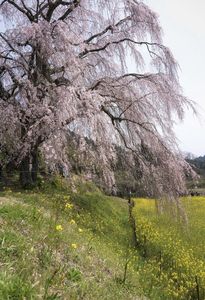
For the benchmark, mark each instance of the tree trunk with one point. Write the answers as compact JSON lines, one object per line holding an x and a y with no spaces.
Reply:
{"x":25,"y":173}
{"x":34,"y":169}
{"x":1,"y":173}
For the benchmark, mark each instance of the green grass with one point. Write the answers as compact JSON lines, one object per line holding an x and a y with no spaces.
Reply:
{"x":67,"y":240}
{"x":51,"y":250}
{"x":173,"y":266}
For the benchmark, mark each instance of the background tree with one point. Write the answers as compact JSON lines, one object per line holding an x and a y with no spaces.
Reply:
{"x":98,"y":68}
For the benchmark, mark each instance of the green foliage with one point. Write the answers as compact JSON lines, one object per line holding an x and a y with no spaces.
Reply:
{"x":74,"y":275}
{"x":15,"y":288}
{"x":198,"y":165}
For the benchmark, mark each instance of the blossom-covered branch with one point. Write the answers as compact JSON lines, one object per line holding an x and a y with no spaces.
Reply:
{"x":93,"y":70}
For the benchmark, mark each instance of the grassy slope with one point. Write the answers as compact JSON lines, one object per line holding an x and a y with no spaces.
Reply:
{"x":84,"y":260}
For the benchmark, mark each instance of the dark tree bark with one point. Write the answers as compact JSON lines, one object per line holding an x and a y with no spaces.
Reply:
{"x":35,"y":165}
{"x":25,"y":173}
{"x":29,"y":169}
{"x":1,"y":173}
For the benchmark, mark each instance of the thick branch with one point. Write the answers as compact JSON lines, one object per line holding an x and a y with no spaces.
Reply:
{"x":11,"y":47}
{"x":120,"y":119}
{"x":113,"y":80}
{"x":74,"y":5}
{"x":54,"y":5}
{"x":24,"y":10}
{"x":142,"y":125}
{"x":147,"y":44}
{"x":110,"y":27}
{"x":41,"y":8}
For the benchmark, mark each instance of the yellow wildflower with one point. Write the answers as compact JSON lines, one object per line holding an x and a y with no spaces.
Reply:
{"x":59,"y":227}
{"x":72,"y":222}
{"x":74,"y":246}
{"x":80,"y":230}
{"x":69,"y":206}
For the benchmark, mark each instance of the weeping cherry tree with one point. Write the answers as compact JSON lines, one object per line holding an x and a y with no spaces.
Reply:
{"x":97,"y":69}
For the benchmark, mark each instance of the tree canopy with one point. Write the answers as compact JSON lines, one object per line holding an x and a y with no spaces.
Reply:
{"x":95,"y":68}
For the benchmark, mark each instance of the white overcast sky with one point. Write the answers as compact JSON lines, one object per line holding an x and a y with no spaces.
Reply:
{"x":183,"y":24}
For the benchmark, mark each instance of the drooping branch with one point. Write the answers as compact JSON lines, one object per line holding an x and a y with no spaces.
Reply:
{"x":137,"y":100}
{"x":121,"y":119}
{"x":111,"y":81}
{"x":118,"y":119}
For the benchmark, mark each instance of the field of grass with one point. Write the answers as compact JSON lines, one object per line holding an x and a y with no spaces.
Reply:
{"x":70,"y":241}
{"x":173,"y":249}
{"x":63,"y":243}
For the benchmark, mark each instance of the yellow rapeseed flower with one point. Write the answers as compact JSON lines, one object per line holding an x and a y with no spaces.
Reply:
{"x":69,"y":206}
{"x":59,"y":227}
{"x":74,"y":246}
{"x":72,"y":222}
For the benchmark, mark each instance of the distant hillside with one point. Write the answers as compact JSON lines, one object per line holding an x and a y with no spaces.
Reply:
{"x":198,"y":164}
